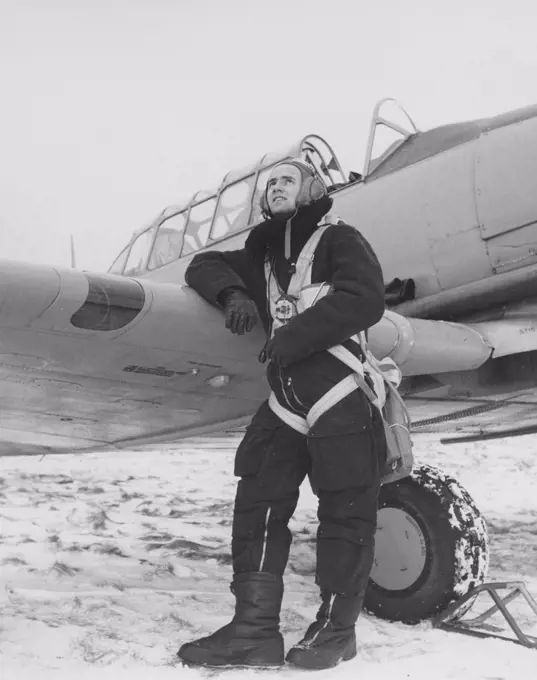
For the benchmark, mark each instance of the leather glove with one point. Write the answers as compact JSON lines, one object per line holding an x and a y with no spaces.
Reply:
{"x":241,"y":312}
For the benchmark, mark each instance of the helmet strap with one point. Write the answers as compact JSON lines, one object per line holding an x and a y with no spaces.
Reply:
{"x":287,"y":247}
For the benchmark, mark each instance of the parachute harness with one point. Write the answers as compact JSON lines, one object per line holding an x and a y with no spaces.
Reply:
{"x":300,"y":295}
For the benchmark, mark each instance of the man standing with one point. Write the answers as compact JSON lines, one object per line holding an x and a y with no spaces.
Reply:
{"x":343,"y":453}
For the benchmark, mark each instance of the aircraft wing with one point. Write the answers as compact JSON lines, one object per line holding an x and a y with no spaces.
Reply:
{"x":95,"y":361}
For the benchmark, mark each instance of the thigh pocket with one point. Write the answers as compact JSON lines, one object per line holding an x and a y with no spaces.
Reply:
{"x":344,"y":461}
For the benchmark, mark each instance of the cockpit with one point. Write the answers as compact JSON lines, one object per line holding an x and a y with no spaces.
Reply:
{"x":210,"y":216}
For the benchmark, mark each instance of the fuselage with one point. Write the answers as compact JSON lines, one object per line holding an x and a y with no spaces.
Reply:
{"x":465,"y":213}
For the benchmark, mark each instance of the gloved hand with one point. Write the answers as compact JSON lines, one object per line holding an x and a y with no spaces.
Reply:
{"x":241,"y":312}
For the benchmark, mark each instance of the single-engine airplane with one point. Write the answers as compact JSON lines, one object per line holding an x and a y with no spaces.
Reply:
{"x":133,"y":358}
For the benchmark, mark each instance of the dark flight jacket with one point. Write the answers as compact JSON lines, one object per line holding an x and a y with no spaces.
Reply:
{"x":344,"y":259}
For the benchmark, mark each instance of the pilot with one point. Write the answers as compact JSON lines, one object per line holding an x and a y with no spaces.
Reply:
{"x":342,"y":454}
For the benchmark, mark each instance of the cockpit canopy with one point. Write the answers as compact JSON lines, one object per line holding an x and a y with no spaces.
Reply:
{"x":212,"y":215}
{"x":394,"y":143}
{"x":234,"y":206}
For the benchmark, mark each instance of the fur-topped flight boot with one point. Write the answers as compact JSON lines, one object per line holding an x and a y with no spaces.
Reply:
{"x":253,"y":637}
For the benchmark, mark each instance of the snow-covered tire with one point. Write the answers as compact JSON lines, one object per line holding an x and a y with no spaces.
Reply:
{"x":431,"y":547}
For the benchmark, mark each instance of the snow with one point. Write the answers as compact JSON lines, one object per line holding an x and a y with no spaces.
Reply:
{"x":110,"y":561}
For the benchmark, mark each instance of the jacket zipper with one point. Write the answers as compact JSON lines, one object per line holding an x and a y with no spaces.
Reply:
{"x":284,"y":393}
{"x":294,"y":394}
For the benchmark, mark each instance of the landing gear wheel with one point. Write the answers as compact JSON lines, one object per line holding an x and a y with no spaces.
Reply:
{"x":431,"y":547}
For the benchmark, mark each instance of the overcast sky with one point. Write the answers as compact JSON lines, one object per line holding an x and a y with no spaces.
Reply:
{"x":112,"y":109}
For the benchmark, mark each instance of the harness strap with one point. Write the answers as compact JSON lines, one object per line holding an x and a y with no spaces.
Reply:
{"x":302,"y":276}
{"x":324,"y":404}
{"x":289,"y":418}
{"x":331,"y":398}
{"x":348,"y":358}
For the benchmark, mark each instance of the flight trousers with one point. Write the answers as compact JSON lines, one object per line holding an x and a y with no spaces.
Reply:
{"x":343,"y":456}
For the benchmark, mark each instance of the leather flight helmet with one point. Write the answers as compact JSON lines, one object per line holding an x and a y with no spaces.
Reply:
{"x":312,"y":187}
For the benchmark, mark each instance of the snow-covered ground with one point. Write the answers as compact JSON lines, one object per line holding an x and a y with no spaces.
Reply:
{"x":110,"y":562}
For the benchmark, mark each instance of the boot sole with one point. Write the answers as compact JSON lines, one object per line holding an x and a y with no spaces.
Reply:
{"x":308,"y":660}
{"x":194,"y":656}
{"x":230,"y":666}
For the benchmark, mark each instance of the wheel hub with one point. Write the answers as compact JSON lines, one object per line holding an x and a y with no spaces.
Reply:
{"x":400,"y":550}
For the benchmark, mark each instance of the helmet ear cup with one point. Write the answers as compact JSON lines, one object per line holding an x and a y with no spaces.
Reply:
{"x":317,"y":189}
{"x":312,"y":190}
